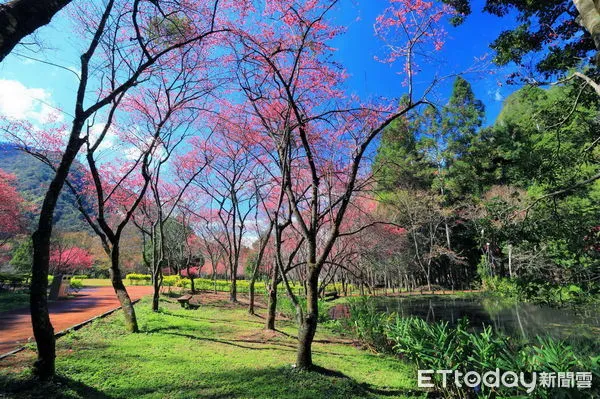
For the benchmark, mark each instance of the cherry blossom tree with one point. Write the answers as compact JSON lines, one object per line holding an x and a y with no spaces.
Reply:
{"x":321,"y":137}
{"x":174,"y":115}
{"x":111,"y":65}
{"x":160,"y":207}
{"x":160,"y":117}
{"x":295,"y":122}
{"x":11,"y":208}
{"x":278,"y":243}
{"x":210,"y":237}
{"x":229,"y":191}
{"x":69,"y":259}
{"x":189,"y":251}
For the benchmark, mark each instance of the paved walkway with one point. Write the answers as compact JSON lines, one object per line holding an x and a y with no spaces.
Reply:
{"x":15,"y":325}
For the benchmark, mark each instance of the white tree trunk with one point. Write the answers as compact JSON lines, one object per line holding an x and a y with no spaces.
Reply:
{"x":589,"y":11}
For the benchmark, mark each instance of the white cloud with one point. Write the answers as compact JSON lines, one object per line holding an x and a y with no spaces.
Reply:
{"x":108,"y":141}
{"x":20,"y":102}
{"x":132,"y":153}
{"x":134,"y":150}
{"x":498,"y":96}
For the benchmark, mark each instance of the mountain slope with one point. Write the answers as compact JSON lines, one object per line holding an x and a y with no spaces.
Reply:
{"x":33,"y":178}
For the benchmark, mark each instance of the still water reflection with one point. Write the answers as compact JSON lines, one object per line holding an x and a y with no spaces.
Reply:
{"x":523,"y":320}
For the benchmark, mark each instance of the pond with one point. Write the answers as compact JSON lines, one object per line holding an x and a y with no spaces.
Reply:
{"x":522,"y":320}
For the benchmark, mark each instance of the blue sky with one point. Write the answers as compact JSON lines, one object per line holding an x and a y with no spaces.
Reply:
{"x":358,"y":48}
{"x":31,"y":89}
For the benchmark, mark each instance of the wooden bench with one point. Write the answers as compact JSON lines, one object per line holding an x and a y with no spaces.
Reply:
{"x":184,"y":301}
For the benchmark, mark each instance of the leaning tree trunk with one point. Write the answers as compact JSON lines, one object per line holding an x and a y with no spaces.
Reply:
{"x":252,"y":284}
{"x":40,"y":318}
{"x":20,"y":18}
{"x":119,"y":287}
{"x":308,"y":322}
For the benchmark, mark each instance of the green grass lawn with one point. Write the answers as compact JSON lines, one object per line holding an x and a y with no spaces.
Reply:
{"x":217,"y":351}
{"x":10,"y":300}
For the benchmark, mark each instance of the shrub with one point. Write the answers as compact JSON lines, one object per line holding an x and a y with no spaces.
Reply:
{"x":75,"y":284}
{"x":338,"y":287}
{"x":502,"y":287}
{"x":185,"y":283}
{"x":528,"y":291}
{"x":171,"y":281}
{"x":139,"y":279}
{"x":16,"y":279}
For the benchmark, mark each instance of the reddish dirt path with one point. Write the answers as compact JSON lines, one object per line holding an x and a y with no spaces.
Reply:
{"x":15,"y":325}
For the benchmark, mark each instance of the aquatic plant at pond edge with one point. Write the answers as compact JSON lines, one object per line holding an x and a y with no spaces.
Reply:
{"x":439,"y":346}
{"x":287,"y":308}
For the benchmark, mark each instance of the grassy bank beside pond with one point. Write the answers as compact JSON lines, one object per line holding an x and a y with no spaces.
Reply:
{"x":217,"y":351}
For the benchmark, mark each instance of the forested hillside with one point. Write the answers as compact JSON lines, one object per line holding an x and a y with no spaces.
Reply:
{"x":32,"y":180}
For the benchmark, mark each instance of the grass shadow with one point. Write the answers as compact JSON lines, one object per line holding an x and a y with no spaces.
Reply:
{"x":272,"y":382}
{"x":236,"y":343}
{"x":285,"y":382}
{"x":365,"y":387}
{"x":59,"y":387}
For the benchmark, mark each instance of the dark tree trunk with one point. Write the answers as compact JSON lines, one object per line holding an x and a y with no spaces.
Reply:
{"x":20,"y":18}
{"x":156,"y":283}
{"x":251,"y":289}
{"x":155,"y":299}
{"x":40,"y":319}
{"x":233,"y":289}
{"x":157,"y":279}
{"x":308,"y":322}
{"x":214,"y":278}
{"x":119,"y":287}
{"x":192,"y":283}
{"x":272,"y":302}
